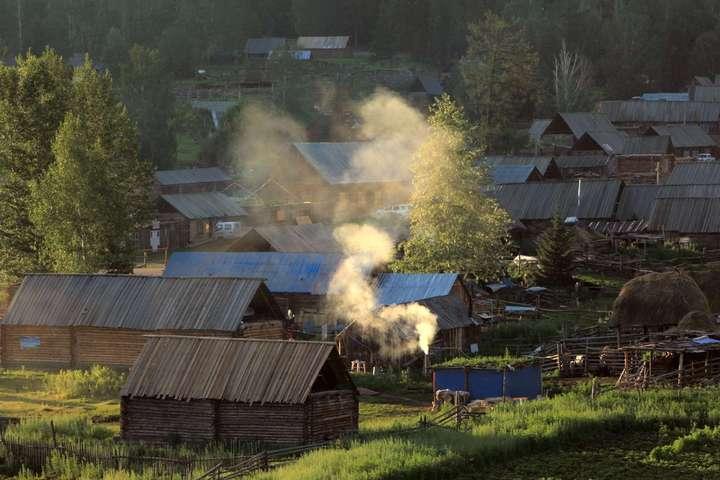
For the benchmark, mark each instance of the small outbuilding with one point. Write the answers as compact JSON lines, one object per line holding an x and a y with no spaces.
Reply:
{"x":325,"y":46}
{"x":201,"y":389}
{"x":503,"y":380}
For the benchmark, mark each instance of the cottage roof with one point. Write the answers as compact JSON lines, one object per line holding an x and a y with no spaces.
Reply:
{"x":340,"y":163}
{"x":338,"y":42}
{"x":695,"y":173}
{"x":543,"y":200}
{"x":195,"y":206}
{"x":621,"y":111}
{"x":579,"y":123}
{"x":308,"y":273}
{"x":649,"y":145}
{"x":582,"y":161}
{"x":193,"y":175}
{"x":612,"y":143}
{"x":263,"y":46}
{"x":636,"y":202}
{"x":685,"y":136}
{"x":537,"y":128}
{"x":686,"y":215}
{"x":309,"y":238}
{"x":502,"y":174}
{"x":541,"y":163}
{"x":135,"y":302}
{"x":232,"y":369}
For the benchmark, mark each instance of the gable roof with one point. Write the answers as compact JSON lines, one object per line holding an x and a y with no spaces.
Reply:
{"x":537,"y":128}
{"x":309,"y":238}
{"x":622,"y":111}
{"x":695,"y":173}
{"x":284,"y":272}
{"x":399,"y":288}
{"x":582,"y":161}
{"x":231,"y":369}
{"x":636,"y":202}
{"x":134,"y":302}
{"x":338,"y":42}
{"x":647,"y":145}
{"x":541,"y":163}
{"x":195,"y":206}
{"x":686,"y":215}
{"x":579,"y":123}
{"x":263,"y":46}
{"x":612,"y":143}
{"x":502,"y":174}
{"x":430,"y":83}
{"x":335,"y":162}
{"x":685,"y":136}
{"x":192,"y":175}
{"x":542,"y":201}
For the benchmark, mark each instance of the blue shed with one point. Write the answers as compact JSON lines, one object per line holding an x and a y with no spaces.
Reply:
{"x":521,"y":381}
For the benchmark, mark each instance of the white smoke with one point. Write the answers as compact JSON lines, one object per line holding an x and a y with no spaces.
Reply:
{"x":397,"y":329}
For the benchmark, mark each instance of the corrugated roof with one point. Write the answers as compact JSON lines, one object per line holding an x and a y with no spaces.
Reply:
{"x":705,"y":93}
{"x":579,"y":123}
{"x":230,"y":369}
{"x":649,"y":145}
{"x":263,"y":46}
{"x":542,"y":201}
{"x":582,"y":161}
{"x":685,"y":136}
{"x":634,"y":111}
{"x":618,"y":143}
{"x":538,"y":126}
{"x":612,"y":143}
{"x":430,"y":83}
{"x":502,"y":174}
{"x":541,"y":163}
{"x":335,"y":163}
{"x":686,"y":215}
{"x":191,"y":175}
{"x":695,"y":173}
{"x":194,"y":206}
{"x":451,"y":312}
{"x":323,"y":42}
{"x":689,"y":191}
{"x":636,"y":202}
{"x":399,"y":288}
{"x":311,"y":238}
{"x":134,"y":302}
{"x":284,"y":272}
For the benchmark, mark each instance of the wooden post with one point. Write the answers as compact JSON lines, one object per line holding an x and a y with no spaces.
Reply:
{"x":681,"y":365}
{"x":3,"y":346}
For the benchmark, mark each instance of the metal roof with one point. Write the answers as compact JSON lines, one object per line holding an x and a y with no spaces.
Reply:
{"x":430,"y":83}
{"x":636,"y":202}
{"x":191,"y":175}
{"x":579,"y":123}
{"x":695,"y":173}
{"x":309,"y":238}
{"x":399,"y":288}
{"x":232,"y":369}
{"x":134,"y":302}
{"x":335,"y":162}
{"x":450,"y":310}
{"x":705,"y":93}
{"x":612,"y":143}
{"x":537,"y":128}
{"x":704,"y":81}
{"x":686,"y":215}
{"x":284,"y":272}
{"x":323,"y":42}
{"x":263,"y":46}
{"x":618,"y":143}
{"x":621,"y":111}
{"x":541,"y":163}
{"x":195,"y":206}
{"x":502,"y":174}
{"x":685,"y":136}
{"x":543,"y":200}
{"x":668,"y":97}
{"x":649,"y":145}
{"x":582,"y":161}
{"x":689,"y":191}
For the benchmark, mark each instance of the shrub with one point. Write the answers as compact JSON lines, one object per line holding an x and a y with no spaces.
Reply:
{"x":97,"y":383}
{"x":66,"y":428}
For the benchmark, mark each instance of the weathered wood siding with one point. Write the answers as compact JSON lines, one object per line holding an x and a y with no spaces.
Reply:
{"x":271,"y":330}
{"x":111,"y":347}
{"x":332,"y":414}
{"x":36,"y":346}
{"x":284,"y":424}
{"x":154,"y":420}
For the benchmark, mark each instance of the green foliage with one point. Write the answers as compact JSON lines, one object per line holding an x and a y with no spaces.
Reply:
{"x":556,"y":253}
{"x":499,"y":72}
{"x":453,"y":226}
{"x":491,"y":362}
{"x":69,"y":428}
{"x":99,"y":382}
{"x":699,"y":438}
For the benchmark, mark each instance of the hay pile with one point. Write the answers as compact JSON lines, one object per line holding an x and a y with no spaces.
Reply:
{"x":709,"y":282}
{"x":657,"y":301}
{"x":695,"y":321}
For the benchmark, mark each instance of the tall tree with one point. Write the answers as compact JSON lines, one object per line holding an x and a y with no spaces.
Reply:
{"x":555,"y":252}
{"x":454,"y":227}
{"x":96,"y":193}
{"x":499,"y":71}
{"x":572,"y":81}
{"x":146,"y":89}
{"x":34,"y":97}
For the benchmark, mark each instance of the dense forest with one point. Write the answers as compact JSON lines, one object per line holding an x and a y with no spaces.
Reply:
{"x":633,"y":45}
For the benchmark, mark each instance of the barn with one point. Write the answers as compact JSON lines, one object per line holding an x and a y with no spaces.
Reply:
{"x":203,"y":389}
{"x":61,"y":321}
{"x":298,"y":281}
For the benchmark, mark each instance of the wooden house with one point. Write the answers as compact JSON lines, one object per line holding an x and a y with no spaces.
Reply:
{"x":545,"y":165}
{"x":583,"y":166}
{"x":343,"y":180}
{"x":637,"y":116}
{"x":204,"y":389}
{"x":306,"y":238}
{"x":686,"y":140}
{"x":194,"y":180}
{"x":198,"y":213}
{"x":503,"y":174}
{"x":80,"y":320}
{"x":298,"y":281}
{"x":325,"y":46}
{"x":261,"y":48}
{"x":567,"y":128}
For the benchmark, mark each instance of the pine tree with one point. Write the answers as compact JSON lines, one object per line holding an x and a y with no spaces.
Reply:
{"x":454,"y":227}
{"x":555,"y":252}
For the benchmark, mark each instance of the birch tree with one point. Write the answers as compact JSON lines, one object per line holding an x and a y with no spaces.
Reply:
{"x":572,"y":81}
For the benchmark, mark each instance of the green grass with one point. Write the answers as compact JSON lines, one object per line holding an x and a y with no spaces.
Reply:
{"x":480,"y":361}
{"x":188,"y":151}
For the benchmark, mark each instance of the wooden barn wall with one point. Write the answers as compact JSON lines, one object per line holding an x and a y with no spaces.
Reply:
{"x":332,"y":414}
{"x":38,"y":346}
{"x":102,"y":346}
{"x":269,"y":423}
{"x":272,"y":330}
{"x":154,"y":420}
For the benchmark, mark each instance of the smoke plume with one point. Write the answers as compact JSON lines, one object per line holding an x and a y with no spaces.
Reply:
{"x":397,"y":329}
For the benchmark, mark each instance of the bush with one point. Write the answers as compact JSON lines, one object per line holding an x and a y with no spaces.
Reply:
{"x":97,"y":383}
{"x":66,"y":428}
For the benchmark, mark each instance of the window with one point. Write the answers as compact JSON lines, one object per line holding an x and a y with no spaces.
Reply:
{"x":28,"y":343}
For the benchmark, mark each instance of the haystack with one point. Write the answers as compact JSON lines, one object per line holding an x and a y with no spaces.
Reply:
{"x":696,"y":322}
{"x":709,"y":282}
{"x":657,"y":301}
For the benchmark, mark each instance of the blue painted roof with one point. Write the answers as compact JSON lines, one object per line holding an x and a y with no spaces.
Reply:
{"x":284,"y":272}
{"x":398,"y":288}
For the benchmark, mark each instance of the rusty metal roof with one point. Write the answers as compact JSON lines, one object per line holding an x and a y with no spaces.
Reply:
{"x":196,"y":206}
{"x":231,"y":369}
{"x":135,"y":302}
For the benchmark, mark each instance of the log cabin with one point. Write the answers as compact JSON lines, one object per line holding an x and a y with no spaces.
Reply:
{"x":202,"y":389}
{"x":61,"y":321}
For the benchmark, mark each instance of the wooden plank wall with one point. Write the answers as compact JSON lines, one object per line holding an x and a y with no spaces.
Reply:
{"x":332,"y":414}
{"x":54,"y":350}
{"x":154,"y":420}
{"x":269,"y":423}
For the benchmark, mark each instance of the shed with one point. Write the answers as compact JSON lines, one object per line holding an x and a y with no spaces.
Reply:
{"x":687,"y":140}
{"x":199,"y":389}
{"x":307,"y":238}
{"x":325,"y":46}
{"x":192,"y":180}
{"x":80,"y":320}
{"x":200,"y":212}
{"x":522,"y":381}
{"x":502,"y":174}
{"x":261,"y":48}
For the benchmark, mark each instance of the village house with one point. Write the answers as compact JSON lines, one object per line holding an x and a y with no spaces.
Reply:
{"x":503,"y":174}
{"x":205,"y":389}
{"x":567,"y":128}
{"x":304,"y":238}
{"x":192,"y":180}
{"x":636,"y":116}
{"x":64,"y":320}
{"x":325,"y":46}
{"x":261,"y":48}
{"x":583,"y":166}
{"x":687,"y":141}
{"x":299,"y":282}
{"x":545,"y":165}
